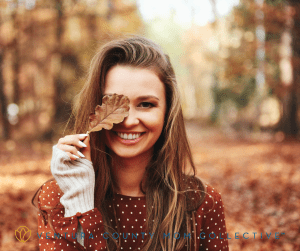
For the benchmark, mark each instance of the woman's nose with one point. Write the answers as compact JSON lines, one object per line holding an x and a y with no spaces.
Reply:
{"x":131,"y":119}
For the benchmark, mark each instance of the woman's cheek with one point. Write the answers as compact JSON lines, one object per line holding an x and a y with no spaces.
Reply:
{"x":154,"y":123}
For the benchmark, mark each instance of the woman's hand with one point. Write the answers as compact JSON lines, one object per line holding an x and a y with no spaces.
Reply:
{"x":71,"y":143}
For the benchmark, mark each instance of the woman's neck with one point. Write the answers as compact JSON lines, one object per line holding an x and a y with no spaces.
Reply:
{"x":129,"y":172}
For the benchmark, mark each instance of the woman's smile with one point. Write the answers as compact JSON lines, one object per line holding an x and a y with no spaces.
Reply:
{"x":129,"y":138}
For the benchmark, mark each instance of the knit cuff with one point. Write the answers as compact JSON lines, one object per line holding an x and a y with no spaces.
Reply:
{"x":76,"y":178}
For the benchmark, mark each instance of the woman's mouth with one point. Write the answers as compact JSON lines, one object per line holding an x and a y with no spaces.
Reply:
{"x":129,"y":138}
{"x":129,"y":135}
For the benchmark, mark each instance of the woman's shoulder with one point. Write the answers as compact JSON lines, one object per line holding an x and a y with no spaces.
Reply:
{"x":49,"y":195}
{"x":212,"y":194}
{"x":212,"y":201}
{"x":200,"y":194}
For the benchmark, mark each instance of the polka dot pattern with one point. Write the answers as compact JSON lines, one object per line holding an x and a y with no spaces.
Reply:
{"x":210,"y":223}
{"x":130,"y":222}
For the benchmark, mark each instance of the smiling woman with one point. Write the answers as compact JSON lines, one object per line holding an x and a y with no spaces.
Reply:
{"x":146,"y":115}
{"x":132,"y":187}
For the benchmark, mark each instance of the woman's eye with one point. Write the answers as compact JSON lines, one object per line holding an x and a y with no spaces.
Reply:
{"x":146,"y":105}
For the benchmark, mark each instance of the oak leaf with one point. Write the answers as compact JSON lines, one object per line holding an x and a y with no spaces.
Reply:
{"x":113,"y":110}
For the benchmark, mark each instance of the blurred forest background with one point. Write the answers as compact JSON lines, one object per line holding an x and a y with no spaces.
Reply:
{"x":239,"y":78}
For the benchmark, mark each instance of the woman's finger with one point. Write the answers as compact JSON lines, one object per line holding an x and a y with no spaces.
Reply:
{"x":72,"y":156}
{"x":87,"y":150}
{"x":71,"y":149}
{"x":75,"y":140}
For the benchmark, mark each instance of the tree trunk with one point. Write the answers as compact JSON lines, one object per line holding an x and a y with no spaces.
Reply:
{"x":59,"y":88}
{"x":16,"y":60}
{"x":3,"y":103}
{"x":289,"y":124}
{"x":289,"y":121}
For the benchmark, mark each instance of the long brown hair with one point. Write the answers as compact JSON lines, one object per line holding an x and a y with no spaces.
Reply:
{"x":172,"y":185}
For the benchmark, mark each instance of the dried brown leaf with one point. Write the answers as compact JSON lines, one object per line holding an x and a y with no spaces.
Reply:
{"x":113,"y":110}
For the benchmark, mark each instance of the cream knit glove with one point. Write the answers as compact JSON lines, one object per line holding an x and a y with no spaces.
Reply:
{"x":76,"y":178}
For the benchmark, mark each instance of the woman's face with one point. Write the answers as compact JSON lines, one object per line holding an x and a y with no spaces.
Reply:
{"x":137,"y":134}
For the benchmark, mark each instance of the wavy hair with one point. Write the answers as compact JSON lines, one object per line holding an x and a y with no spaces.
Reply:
{"x":171,"y":168}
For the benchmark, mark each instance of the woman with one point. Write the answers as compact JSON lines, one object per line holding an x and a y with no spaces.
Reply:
{"x":128,"y":188}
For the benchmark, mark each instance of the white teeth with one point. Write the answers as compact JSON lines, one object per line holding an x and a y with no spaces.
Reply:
{"x":129,"y":136}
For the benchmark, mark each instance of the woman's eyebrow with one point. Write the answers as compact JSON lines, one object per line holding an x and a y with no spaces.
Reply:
{"x":140,"y":97}
{"x":109,"y":94}
{"x":147,"y":97}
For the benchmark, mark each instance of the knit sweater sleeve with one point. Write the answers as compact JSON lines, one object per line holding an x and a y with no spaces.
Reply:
{"x":68,"y":219}
{"x":57,"y":232}
{"x":76,"y":179}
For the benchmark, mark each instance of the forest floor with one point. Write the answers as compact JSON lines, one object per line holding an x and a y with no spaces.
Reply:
{"x":259,"y":181}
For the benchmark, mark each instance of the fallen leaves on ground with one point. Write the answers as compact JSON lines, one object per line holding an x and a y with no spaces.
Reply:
{"x":259,"y":183}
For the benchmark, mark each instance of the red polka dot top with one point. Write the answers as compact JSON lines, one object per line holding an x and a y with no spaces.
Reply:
{"x":129,"y":220}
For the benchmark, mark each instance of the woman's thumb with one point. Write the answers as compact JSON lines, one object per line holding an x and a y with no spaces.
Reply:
{"x":86,"y":151}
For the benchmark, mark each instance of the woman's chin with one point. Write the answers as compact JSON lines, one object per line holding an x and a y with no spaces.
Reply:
{"x":125,"y":153}
{"x":120,"y":152}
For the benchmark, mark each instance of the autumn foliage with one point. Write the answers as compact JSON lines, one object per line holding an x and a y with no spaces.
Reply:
{"x":259,"y":183}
